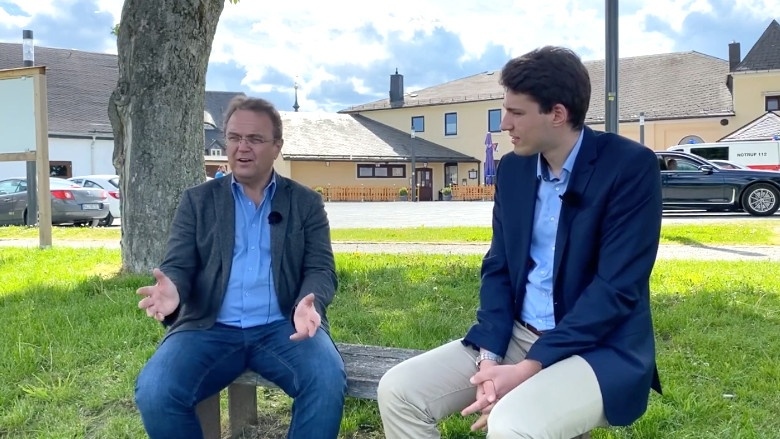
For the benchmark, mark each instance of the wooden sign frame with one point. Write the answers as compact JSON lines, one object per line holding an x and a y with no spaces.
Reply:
{"x":40,"y":154}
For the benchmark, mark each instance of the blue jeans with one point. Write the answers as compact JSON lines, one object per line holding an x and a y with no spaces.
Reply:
{"x":190,"y":366}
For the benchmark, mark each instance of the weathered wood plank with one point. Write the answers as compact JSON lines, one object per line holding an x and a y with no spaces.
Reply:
{"x":242,"y":407}
{"x":208,"y":413}
{"x":364,"y":365}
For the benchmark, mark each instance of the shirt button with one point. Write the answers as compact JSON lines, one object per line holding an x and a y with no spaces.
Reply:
{"x":557,"y":188}
{"x":552,"y":218}
{"x":253,"y":247}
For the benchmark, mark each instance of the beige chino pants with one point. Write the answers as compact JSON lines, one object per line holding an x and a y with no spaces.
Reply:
{"x":560,"y":402}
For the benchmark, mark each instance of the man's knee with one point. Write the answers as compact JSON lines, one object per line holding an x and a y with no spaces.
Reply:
{"x":393,"y":386}
{"x":327,"y":378}
{"x":153,"y":392}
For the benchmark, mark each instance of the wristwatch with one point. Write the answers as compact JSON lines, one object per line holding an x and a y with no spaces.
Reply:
{"x":487,"y":355}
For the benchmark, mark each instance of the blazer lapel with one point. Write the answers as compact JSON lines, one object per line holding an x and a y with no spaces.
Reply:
{"x":226,"y":228}
{"x":281,"y":204}
{"x":578,"y":183}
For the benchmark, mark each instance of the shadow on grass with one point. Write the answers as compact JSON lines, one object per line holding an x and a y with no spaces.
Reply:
{"x":725,"y":249}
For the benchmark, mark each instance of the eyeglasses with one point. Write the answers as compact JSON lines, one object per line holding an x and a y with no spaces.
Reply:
{"x":235,"y":139}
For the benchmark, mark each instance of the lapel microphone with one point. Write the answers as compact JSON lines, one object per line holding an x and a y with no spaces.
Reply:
{"x":274,"y":218}
{"x":571,"y":199}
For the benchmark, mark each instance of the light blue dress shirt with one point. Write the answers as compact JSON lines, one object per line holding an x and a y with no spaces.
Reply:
{"x":538,"y":302}
{"x":250,"y":299}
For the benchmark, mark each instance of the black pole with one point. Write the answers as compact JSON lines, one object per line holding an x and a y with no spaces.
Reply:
{"x":642,"y":127}
{"x":413,"y":190}
{"x":611,"y":77}
{"x":28,"y":58}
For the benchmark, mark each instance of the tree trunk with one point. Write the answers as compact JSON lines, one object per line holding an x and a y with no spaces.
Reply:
{"x":156,"y":112}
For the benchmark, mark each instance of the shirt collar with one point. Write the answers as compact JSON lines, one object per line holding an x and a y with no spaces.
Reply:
{"x":270,"y":188}
{"x":543,"y":169}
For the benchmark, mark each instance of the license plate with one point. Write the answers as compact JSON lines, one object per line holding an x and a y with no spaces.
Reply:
{"x":90,"y":207}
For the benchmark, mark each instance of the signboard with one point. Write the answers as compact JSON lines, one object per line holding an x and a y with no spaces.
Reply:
{"x":17,"y":114}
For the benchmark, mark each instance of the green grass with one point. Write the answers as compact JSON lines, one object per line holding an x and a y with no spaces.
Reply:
{"x":73,"y":342}
{"x":732,"y":233}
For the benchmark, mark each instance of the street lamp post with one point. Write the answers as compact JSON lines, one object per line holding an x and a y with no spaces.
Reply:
{"x":611,"y":76}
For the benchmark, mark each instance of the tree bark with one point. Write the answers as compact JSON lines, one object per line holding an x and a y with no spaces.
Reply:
{"x":156,"y":113}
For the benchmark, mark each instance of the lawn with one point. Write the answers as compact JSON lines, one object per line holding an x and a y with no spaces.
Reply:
{"x":732,"y":233}
{"x":74,"y":341}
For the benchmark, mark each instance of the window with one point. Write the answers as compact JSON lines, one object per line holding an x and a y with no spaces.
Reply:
{"x":719,"y":153}
{"x":689,"y":140}
{"x":215,"y":152}
{"x":494,"y":120}
{"x":450,"y":174}
{"x":418,"y":124}
{"x":60,"y":169}
{"x":381,"y":171}
{"x":450,"y":124}
{"x":772,"y":103}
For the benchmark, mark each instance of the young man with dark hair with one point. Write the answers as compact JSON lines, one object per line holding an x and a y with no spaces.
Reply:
{"x":563,"y":340}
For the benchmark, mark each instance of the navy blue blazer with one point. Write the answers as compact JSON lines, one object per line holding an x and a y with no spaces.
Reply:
{"x":606,"y":245}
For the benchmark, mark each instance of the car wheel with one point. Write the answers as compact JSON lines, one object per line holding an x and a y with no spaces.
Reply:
{"x":107,"y":221}
{"x":761,"y":199}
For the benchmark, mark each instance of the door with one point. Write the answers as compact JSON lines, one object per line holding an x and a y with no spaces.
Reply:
{"x":685,"y":183}
{"x":424,"y":184}
{"x":13,"y":201}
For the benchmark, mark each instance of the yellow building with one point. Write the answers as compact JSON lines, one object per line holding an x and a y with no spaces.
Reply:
{"x":681,"y":97}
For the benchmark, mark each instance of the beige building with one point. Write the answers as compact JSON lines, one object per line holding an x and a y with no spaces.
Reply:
{"x":683,"y":97}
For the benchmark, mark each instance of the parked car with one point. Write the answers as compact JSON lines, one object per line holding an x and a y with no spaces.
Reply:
{"x":109,"y":183}
{"x":690,"y":182}
{"x":725,"y":164}
{"x":70,"y":203}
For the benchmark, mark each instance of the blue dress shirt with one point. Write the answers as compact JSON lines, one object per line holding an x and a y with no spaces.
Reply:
{"x":538,"y":302}
{"x":250,"y":299}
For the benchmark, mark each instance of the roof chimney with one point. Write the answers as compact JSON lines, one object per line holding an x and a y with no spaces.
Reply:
{"x":734,"y":56}
{"x":396,"y":89}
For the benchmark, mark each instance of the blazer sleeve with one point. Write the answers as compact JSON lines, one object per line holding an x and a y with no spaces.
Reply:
{"x":180,"y":262}
{"x":319,"y":266}
{"x":626,"y":255}
{"x":493,"y":329}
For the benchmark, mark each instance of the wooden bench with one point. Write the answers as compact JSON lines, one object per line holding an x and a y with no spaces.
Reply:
{"x":364,"y":365}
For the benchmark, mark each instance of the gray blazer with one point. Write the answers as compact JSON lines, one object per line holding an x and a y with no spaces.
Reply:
{"x":200,"y":251}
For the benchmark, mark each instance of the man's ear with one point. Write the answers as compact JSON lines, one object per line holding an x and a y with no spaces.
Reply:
{"x":560,"y":115}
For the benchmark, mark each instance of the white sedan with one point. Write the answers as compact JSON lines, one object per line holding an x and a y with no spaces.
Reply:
{"x":109,"y":183}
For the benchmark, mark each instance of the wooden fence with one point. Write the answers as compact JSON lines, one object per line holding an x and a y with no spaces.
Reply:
{"x":473,"y":193}
{"x":390,"y":193}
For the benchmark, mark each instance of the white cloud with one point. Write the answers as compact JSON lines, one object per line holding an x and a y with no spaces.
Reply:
{"x":310,"y":41}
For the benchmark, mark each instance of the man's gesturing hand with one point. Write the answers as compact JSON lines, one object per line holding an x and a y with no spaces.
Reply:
{"x":160,"y":299}
{"x":306,"y":319}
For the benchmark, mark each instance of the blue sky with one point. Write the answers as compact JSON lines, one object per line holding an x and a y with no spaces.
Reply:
{"x":343,"y":56}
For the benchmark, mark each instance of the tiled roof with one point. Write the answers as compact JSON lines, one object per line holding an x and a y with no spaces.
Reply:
{"x":672,"y":85}
{"x":217,"y":103}
{"x":78,"y":86}
{"x":331,"y":136}
{"x":765,"y":54}
{"x":764,"y":128}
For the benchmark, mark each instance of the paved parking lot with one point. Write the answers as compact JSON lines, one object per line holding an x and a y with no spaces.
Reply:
{"x":344,"y":215}
{"x":465,"y":213}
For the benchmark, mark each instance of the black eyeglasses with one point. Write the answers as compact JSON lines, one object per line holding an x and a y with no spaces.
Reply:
{"x":235,"y":139}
